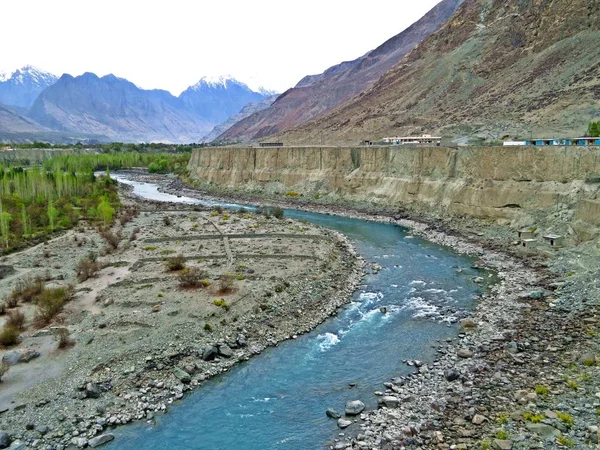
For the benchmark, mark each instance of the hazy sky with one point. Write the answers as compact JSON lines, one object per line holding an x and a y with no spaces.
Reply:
{"x":170,"y":44}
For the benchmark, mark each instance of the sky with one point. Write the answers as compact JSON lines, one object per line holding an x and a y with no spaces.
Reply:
{"x":171,"y":44}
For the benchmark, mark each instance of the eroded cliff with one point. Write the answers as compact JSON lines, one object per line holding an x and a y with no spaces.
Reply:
{"x":555,"y":188}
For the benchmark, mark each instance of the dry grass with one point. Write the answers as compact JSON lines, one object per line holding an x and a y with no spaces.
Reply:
{"x":226,"y":282}
{"x":16,"y":319}
{"x":175,"y":263}
{"x":111,"y":238}
{"x":50,"y":302}
{"x":9,"y":336}
{"x":193,"y":277}
{"x":86,"y":269}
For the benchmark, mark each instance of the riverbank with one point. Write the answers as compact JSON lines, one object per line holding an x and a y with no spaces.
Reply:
{"x":522,"y":374}
{"x":141,"y":335}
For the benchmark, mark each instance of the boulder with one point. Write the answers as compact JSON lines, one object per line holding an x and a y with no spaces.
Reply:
{"x":241,"y":340}
{"x":478,"y":419}
{"x":464,"y":353}
{"x":100,"y":440}
{"x":28,"y":355}
{"x":13,"y":357}
{"x":546,"y":431}
{"x":4,"y":439}
{"x":451,"y":375}
{"x":354,"y":407}
{"x":390,"y":401}
{"x":343,"y":423}
{"x":332,"y":413}
{"x":501,"y":444}
{"x":210,"y":353}
{"x":225,"y":351}
{"x":92,"y":390}
{"x":181,"y":374}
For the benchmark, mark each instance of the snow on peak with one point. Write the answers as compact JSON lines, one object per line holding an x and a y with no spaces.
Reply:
{"x":30,"y":73}
{"x":216,"y":81}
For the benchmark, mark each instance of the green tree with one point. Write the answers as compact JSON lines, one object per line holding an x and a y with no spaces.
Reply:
{"x":5,"y":219}
{"x":105,"y":211}
{"x":594,"y":129}
{"x":25,"y":220}
{"x":52,"y":215}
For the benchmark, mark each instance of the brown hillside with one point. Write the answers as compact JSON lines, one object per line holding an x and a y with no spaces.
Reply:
{"x":496,"y":68}
{"x":315,"y":94}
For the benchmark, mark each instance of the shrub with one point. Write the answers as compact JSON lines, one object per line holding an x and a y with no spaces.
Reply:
{"x":292,"y":194}
{"x":26,"y":290}
{"x":167,"y":221}
{"x":4,"y":367}
{"x":541,"y":390}
{"x":9,"y":336}
{"x":565,"y":442}
{"x":572,"y":384}
{"x":226,"y":282}
{"x":16,"y":319}
{"x":86,"y":269}
{"x":565,"y":418}
{"x":112,"y":239}
{"x":534,"y":418}
{"x":278,"y":212}
{"x":207,"y":327}
{"x":63,"y":337}
{"x":2,"y":309}
{"x":502,"y":418}
{"x":50,"y":302}
{"x":150,"y":248}
{"x":590,"y":362}
{"x":221,"y":303}
{"x":175,"y":263}
{"x":192,"y":277}
{"x":502,"y":434}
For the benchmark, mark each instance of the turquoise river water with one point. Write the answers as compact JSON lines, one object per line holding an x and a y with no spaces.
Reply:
{"x":277,"y":400}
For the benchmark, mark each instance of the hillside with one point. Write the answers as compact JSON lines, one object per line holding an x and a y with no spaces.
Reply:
{"x":246,"y":111}
{"x":315,"y":94}
{"x":496,"y":68}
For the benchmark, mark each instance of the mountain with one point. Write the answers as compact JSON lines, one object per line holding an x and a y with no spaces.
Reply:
{"x":12,"y":122}
{"x":315,"y":94}
{"x":496,"y":68}
{"x":246,"y":111}
{"x":121,"y":111}
{"x":217,"y":99}
{"x":21,"y":87}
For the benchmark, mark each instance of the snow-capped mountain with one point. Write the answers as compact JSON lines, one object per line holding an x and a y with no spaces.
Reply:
{"x":218,"y":98}
{"x":21,"y":87}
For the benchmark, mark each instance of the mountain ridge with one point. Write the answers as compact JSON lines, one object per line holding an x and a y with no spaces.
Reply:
{"x":316,"y":94}
{"x":496,"y":68}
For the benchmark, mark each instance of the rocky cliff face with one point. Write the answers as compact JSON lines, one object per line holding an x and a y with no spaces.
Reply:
{"x":497,"y":68}
{"x":315,"y":94}
{"x":556,"y":188}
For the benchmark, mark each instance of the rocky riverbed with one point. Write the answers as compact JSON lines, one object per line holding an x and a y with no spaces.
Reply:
{"x":140,"y":335}
{"x":523,"y":372}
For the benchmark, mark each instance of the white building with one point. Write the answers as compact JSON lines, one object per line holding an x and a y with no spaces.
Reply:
{"x":425,"y":139}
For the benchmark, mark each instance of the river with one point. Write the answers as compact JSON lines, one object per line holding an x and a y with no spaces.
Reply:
{"x":277,"y":400}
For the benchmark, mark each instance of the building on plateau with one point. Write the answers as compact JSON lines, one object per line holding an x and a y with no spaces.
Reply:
{"x":581,"y":141}
{"x":425,"y":139}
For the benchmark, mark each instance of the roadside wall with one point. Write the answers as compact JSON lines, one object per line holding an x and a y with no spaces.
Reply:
{"x":514,"y":185}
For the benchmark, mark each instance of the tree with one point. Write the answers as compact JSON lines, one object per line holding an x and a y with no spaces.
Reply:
{"x":52,"y":215}
{"x":594,"y":129}
{"x":25,"y":220}
{"x":105,"y":211}
{"x":5,"y":219}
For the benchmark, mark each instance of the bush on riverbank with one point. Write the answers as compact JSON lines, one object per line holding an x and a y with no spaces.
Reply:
{"x":50,"y":302}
